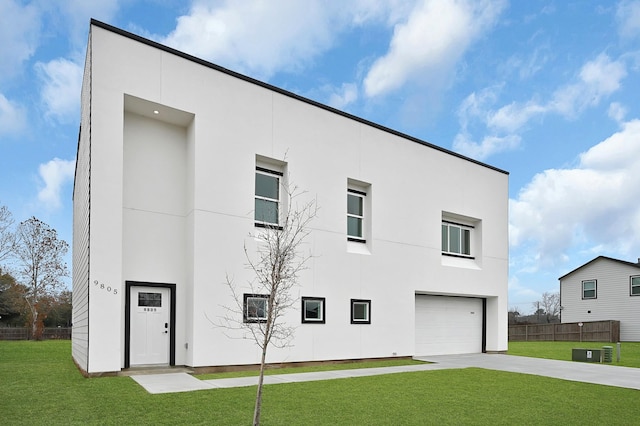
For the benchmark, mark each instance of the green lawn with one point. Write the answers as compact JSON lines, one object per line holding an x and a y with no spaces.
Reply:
{"x":40,"y":385}
{"x":629,"y":351}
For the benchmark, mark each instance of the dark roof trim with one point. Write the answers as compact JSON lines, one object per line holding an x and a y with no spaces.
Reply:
{"x":282,"y":91}
{"x":624,"y":262}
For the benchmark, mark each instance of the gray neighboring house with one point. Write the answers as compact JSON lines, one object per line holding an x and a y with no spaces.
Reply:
{"x":603,"y":289}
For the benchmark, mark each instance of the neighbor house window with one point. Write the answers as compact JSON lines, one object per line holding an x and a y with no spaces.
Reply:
{"x":255,"y":307}
{"x":635,"y":286}
{"x":589,"y":289}
{"x":313,"y":310}
{"x":456,"y":239}
{"x":267,"y":204}
{"x":355,"y":215}
{"x":360,"y":311}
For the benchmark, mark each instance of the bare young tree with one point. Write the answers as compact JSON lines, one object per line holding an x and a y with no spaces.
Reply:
{"x":275,"y":267}
{"x":549,"y":306}
{"x":7,"y":236}
{"x":40,"y":263}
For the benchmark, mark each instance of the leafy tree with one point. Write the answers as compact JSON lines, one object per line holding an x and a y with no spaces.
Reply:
{"x":275,"y":267}
{"x":58,"y":313}
{"x":40,"y":265}
{"x":12,"y":304}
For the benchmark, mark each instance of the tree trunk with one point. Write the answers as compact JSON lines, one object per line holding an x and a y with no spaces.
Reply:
{"x":34,"y":325}
{"x":258,"y":407}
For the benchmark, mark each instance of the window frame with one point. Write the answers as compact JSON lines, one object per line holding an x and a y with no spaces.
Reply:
{"x":322,"y":318}
{"x":632,"y":286}
{"x":595,"y":289}
{"x":245,"y":308}
{"x":367,"y":303}
{"x":362,"y":196}
{"x":278,"y":175}
{"x":464,"y":228}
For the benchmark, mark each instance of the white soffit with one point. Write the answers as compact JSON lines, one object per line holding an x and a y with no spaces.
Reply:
{"x":157,"y":111}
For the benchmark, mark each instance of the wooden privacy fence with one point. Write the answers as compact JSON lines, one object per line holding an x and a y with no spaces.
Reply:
{"x":593,"y":331}
{"x":24,"y":333}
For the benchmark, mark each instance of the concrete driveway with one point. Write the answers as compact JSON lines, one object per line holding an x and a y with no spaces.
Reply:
{"x":600,"y":374}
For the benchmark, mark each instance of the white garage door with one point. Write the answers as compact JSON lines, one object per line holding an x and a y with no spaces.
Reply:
{"x":448,"y":325}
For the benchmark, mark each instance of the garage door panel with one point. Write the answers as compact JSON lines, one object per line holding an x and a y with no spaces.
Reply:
{"x":448,"y":325}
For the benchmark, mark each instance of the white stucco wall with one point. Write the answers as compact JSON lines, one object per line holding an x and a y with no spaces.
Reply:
{"x":207,"y":213}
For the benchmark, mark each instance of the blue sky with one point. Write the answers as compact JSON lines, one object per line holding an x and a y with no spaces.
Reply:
{"x":547,"y":90}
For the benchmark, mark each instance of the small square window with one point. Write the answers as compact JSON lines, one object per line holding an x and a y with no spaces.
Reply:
{"x":589,"y":288}
{"x":360,"y":311}
{"x":255,"y":307}
{"x":313,"y":310}
{"x":635,"y":286}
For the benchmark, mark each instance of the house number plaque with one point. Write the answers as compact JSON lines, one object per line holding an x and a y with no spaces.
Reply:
{"x":104,"y":287}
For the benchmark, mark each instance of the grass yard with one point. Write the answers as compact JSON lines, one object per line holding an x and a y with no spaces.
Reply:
{"x":629,"y":351}
{"x":40,"y":385}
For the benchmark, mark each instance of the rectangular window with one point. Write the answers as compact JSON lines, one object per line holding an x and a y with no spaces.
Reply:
{"x":589,"y":289}
{"x":360,"y":311}
{"x":456,"y":239}
{"x":635,"y":286}
{"x":355,"y":215}
{"x":150,"y":299}
{"x":313,"y":310}
{"x":267,"y":203}
{"x":255,"y":307}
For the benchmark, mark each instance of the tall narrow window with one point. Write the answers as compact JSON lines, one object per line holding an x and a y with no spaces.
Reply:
{"x":267,"y":204}
{"x":635,"y":286}
{"x":355,"y":215}
{"x":456,"y":238}
{"x":589,"y":289}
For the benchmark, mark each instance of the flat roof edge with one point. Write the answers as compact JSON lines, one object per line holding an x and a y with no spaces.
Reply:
{"x":284,"y":92}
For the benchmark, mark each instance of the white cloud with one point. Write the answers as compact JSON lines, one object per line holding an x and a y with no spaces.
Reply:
{"x":344,"y":96}
{"x":262,"y":38}
{"x":19,"y":34}
{"x":596,"y":80}
{"x":512,"y":117}
{"x":430,"y":42}
{"x":54,"y":174}
{"x":593,"y":204}
{"x":489,"y":146}
{"x":62,"y":81}
{"x":12,"y":117}
{"x":628,"y":15}
{"x":617,"y":112}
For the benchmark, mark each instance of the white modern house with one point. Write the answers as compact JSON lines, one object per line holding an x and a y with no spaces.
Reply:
{"x":603,"y":289}
{"x":180,"y":160}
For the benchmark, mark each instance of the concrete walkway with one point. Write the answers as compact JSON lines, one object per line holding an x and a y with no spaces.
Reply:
{"x":575,"y":371}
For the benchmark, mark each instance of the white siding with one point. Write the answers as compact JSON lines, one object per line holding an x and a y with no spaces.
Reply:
{"x":613,"y":300}
{"x":81,"y":217}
